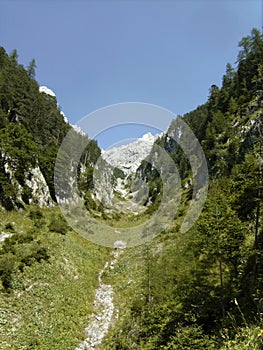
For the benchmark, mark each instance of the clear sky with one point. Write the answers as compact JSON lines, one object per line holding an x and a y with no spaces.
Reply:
{"x":96,"y":53}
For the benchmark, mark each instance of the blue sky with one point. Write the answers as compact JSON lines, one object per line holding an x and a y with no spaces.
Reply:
{"x":97,"y":53}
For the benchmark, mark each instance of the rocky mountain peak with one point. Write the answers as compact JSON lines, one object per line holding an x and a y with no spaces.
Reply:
{"x":129,"y":157}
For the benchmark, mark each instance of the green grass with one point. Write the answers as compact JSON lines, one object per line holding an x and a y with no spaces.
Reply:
{"x":50,"y":301}
{"x":49,"y":304}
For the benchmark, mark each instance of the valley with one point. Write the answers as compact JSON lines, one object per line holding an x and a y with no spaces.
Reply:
{"x":100,"y":252}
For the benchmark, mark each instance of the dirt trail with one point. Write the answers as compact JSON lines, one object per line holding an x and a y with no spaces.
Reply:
{"x":101,"y":319}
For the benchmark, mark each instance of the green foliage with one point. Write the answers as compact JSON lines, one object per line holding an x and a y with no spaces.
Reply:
{"x":10,"y":227}
{"x":18,"y":251}
{"x":47,"y":284}
{"x":11,"y":243}
{"x":32,"y":128}
{"x":39,"y":254}
{"x":118,"y":173}
{"x":91,"y":153}
{"x":35,"y":214}
{"x":245,"y":338}
{"x":31,"y":131}
{"x":179,"y":291}
{"x":31,"y":69}
{"x":86,"y":180}
{"x":37,"y":217}
{"x":90,"y":203}
{"x":147,"y":172}
{"x":190,"y":337}
{"x":7,"y":263}
{"x":58,"y":224}
{"x":17,"y":144}
{"x":246,"y":185}
{"x":186,"y":286}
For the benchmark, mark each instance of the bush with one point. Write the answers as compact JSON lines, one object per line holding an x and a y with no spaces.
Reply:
{"x":36,"y":256}
{"x":58,"y":225}
{"x":191,"y":337}
{"x":10,"y":227}
{"x":245,"y":338}
{"x":37,"y":217}
{"x":35,"y":214}
{"x":6,"y":269}
{"x":11,"y":242}
{"x":41,"y":254}
{"x":26,"y":194}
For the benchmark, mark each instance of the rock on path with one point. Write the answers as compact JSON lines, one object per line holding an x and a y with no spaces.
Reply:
{"x":4,"y":236}
{"x":101,"y":319}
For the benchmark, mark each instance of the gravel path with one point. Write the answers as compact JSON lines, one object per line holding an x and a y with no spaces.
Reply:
{"x":101,"y":319}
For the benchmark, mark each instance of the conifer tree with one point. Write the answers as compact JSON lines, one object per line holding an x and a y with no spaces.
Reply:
{"x":31,"y":69}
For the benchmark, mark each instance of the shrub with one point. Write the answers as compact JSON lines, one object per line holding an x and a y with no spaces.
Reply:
{"x":40,"y":253}
{"x":7,"y":263}
{"x":190,"y":337}
{"x":10,"y":227}
{"x":35,"y":214}
{"x":37,"y":217}
{"x":26,"y":194}
{"x":58,"y":225}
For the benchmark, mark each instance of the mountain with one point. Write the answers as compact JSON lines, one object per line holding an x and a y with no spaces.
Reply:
{"x":115,"y":175}
{"x":202,"y":289}
{"x":196,"y":289}
{"x":32,"y":128}
{"x":129,"y":157}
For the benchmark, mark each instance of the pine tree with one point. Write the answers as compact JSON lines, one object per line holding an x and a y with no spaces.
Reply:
{"x":31,"y":69}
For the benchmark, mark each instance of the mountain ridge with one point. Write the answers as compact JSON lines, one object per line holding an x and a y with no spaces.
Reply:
{"x":129,"y":156}
{"x":201,"y":289}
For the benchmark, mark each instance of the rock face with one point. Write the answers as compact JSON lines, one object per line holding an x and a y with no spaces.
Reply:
{"x":111,"y":185}
{"x":34,"y":180}
{"x":129,"y":157}
{"x":102,"y":317}
{"x":47,"y":91}
{"x":103,"y":182}
{"x":40,"y":191}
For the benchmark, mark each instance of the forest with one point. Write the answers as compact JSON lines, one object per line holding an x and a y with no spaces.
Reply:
{"x":202,"y":289}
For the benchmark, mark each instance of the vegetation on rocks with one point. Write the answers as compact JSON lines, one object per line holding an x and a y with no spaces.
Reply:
{"x":202,"y":289}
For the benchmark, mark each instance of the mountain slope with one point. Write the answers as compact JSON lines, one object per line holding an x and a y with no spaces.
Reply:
{"x":129,"y":157}
{"x":32,"y":128}
{"x":203,"y":289}
{"x":115,"y":183}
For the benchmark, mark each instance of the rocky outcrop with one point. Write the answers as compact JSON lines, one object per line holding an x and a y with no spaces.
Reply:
{"x":129,"y":157}
{"x":40,"y":192}
{"x":34,"y":180}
